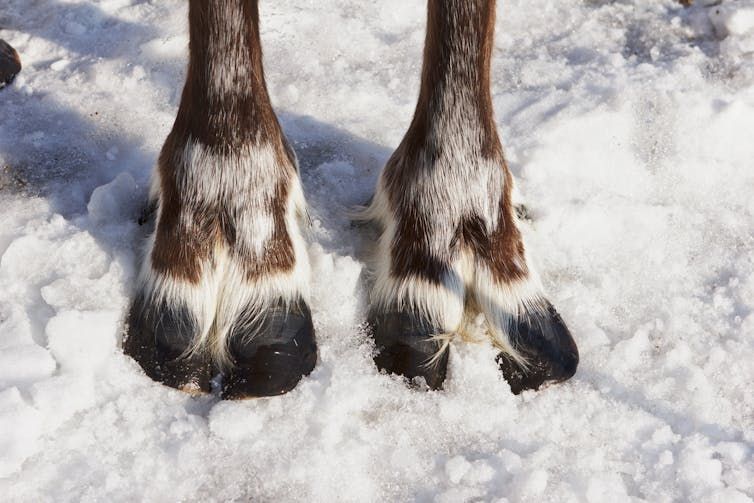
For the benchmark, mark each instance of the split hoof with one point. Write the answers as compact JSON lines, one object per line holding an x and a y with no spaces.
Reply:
{"x":158,"y":339}
{"x":405,"y":347}
{"x":10,"y":64}
{"x":546,"y":343}
{"x":271,"y":354}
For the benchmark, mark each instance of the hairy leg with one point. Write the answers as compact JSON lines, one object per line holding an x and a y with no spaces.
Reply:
{"x":225,"y":279}
{"x":450,"y":241}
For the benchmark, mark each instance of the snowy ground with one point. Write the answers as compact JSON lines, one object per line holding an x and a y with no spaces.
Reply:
{"x":630,"y":127}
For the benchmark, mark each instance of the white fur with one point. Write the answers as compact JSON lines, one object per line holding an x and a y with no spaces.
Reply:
{"x":245,"y":182}
{"x":503,"y":303}
{"x":446,"y":305}
{"x":154,"y":189}
{"x":442,"y":304}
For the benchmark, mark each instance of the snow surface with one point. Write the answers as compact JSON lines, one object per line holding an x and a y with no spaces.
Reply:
{"x":630,"y":128}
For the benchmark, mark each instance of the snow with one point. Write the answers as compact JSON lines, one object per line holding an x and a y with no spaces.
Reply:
{"x":628,"y":126}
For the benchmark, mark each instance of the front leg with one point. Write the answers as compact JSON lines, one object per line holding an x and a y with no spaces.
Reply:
{"x":225,"y":280}
{"x":450,"y":244}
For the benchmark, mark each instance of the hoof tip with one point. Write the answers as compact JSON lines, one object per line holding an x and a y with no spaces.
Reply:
{"x":272,"y":356}
{"x":543,"y":339}
{"x":405,"y":346}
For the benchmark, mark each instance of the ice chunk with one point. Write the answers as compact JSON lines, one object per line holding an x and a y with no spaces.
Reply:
{"x":82,"y":341}
{"x":115,"y":201}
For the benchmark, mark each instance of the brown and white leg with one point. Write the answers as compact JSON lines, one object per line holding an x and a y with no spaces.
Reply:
{"x":225,"y":279}
{"x":450,"y":242}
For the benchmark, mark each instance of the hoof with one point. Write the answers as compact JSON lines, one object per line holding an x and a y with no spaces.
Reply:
{"x":10,"y":64}
{"x":271,"y":354}
{"x":405,"y":347}
{"x":158,"y":337}
{"x":544,"y":340}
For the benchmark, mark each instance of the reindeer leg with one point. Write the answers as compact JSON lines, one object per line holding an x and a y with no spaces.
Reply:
{"x":226,"y":274}
{"x":450,"y":240}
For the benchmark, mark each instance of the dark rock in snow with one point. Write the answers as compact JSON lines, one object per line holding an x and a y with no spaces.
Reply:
{"x":10,"y":63}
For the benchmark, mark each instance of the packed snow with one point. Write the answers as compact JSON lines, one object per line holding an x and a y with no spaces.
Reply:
{"x":629,"y":126}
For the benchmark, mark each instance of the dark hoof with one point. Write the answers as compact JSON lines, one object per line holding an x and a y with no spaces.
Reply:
{"x":544,"y":340}
{"x":158,"y":336}
{"x":271,"y":355}
{"x":10,"y":64}
{"x":405,"y":347}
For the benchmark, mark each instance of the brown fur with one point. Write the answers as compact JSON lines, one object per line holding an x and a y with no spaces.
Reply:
{"x":452,"y":24}
{"x":223,"y":124}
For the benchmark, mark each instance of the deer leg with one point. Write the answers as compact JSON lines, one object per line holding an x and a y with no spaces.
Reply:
{"x":225,"y":279}
{"x":450,"y":242}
